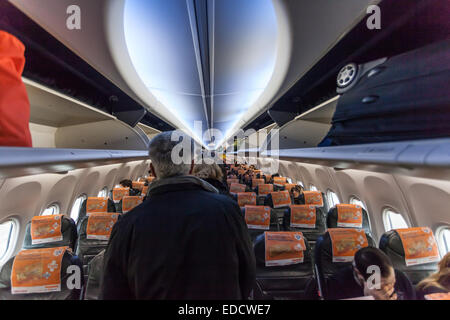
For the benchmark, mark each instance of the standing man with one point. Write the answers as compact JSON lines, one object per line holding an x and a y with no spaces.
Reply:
{"x":186,"y":241}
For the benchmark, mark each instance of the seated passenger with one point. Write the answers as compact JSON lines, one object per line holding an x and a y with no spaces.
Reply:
{"x":295,"y":193}
{"x":358,"y":280}
{"x":186,"y":241}
{"x":212,"y":174}
{"x":273,"y":176}
{"x":129,"y":184}
{"x":438,"y":282}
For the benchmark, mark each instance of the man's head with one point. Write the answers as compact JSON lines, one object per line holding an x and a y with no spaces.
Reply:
{"x":369,"y":260}
{"x":370,"y":256}
{"x":126,"y":183}
{"x":167,"y":155}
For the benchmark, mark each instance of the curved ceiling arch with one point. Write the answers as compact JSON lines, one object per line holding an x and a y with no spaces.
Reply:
{"x":202,"y":60}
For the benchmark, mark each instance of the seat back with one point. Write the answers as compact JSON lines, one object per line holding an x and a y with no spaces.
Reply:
{"x":118,"y":193}
{"x":128,"y":203}
{"x":422,"y":256}
{"x":262,"y":190}
{"x":288,"y":279}
{"x":260,"y":219}
{"x":300,"y":218}
{"x":278,"y":183}
{"x":279,"y":201}
{"x":96,"y":204}
{"x":40,"y":224}
{"x":94,"y":231}
{"x":336,"y":249}
{"x":348,"y":216}
{"x":256,"y":182}
{"x":246,"y":198}
{"x":235,"y":188}
{"x":93,"y":283}
{"x":29,"y":275}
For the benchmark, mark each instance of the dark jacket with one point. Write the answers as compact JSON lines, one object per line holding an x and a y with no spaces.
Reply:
{"x":421,"y":293}
{"x":219,"y":185}
{"x":344,"y":286}
{"x":185,"y":241}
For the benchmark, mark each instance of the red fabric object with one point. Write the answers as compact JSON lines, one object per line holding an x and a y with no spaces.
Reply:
{"x":14,"y":103}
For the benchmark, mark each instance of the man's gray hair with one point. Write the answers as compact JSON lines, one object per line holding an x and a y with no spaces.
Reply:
{"x":166,"y":160}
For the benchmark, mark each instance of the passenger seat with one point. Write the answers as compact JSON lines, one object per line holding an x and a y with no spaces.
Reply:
{"x":282,"y":278}
{"x":246,"y":198}
{"x":51,"y":244}
{"x":421,"y":257}
{"x":279,"y":201}
{"x":117,"y":194}
{"x":94,"y":231}
{"x":260,"y":219}
{"x":262,"y":190}
{"x":335,"y":250}
{"x":96,"y":204}
{"x":348,"y":216}
{"x":129,"y":203}
{"x":308,"y":219}
{"x":278,"y":183}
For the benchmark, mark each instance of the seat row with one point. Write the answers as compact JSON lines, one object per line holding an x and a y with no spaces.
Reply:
{"x":56,"y":251}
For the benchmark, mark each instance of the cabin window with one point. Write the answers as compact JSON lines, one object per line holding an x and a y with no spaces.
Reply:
{"x":103,"y":193}
{"x":355,"y":200}
{"x":312,"y":187}
{"x":332,"y":199}
{"x":51,"y":210}
{"x":393,"y":220}
{"x":443,"y":238}
{"x":8,"y":232}
{"x":74,"y":213}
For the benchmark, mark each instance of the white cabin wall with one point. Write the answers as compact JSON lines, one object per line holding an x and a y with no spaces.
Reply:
{"x":43,"y":136}
{"x":428,"y":200}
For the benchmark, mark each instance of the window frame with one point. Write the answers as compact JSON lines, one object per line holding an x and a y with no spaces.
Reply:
{"x":385,"y":218}
{"x":329,"y":196}
{"x":53,"y":204}
{"x":12,"y":239}
{"x":104,"y":192}
{"x":361,"y":203}
{"x":440,"y":232}
{"x":84,"y":196}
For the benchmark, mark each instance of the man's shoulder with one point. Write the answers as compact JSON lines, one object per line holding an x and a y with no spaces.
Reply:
{"x":218,"y":200}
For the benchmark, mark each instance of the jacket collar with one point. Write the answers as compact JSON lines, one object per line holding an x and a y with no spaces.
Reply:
{"x":179,"y":180}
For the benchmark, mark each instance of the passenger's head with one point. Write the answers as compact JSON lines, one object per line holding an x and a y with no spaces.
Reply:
{"x":370,"y":256}
{"x":296,"y":191}
{"x":166,"y":163}
{"x":441,"y":278}
{"x":208,"y":171}
{"x":126,"y":183}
